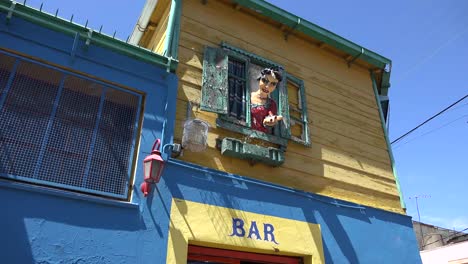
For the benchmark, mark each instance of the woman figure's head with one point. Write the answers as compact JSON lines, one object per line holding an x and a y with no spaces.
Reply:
{"x":268,"y":80}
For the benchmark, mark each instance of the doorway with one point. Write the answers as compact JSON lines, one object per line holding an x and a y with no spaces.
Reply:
{"x":206,"y":255}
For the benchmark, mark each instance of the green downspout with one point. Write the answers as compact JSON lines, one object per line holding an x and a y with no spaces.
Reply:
{"x":171,"y":44}
{"x":389,"y":147}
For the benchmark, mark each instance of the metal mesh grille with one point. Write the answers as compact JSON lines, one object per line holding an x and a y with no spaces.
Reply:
{"x":24,"y":117}
{"x":65,"y":130}
{"x":237,"y":89}
{"x":69,"y":142}
{"x":114,"y":142}
{"x":6,"y":65}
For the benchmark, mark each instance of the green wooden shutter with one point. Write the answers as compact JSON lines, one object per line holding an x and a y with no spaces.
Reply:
{"x":302,"y":109}
{"x":215,"y":81}
{"x":283,"y":107}
{"x":305,"y":119}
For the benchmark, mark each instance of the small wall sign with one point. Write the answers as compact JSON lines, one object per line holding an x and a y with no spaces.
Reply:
{"x":241,"y":229}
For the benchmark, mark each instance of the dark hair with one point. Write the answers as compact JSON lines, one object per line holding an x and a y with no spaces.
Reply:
{"x":269,"y":71}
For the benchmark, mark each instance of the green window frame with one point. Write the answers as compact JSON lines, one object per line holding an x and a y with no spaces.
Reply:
{"x":215,"y":94}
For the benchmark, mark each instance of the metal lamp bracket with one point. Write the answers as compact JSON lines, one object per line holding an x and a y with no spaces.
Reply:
{"x":355,"y":58}
{"x":88,"y":38}
{"x":287,"y":33}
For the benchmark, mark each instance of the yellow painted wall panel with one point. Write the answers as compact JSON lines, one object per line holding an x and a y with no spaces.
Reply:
{"x":339,"y":157}
{"x":348,"y":159}
{"x":156,"y":42}
{"x":335,"y":102}
{"x":288,"y":172}
{"x":358,"y":146}
{"x":300,"y":180}
{"x":344,"y":116}
{"x":319,"y":151}
{"x":195,"y":36}
{"x":194,"y":222}
{"x":233,"y":27}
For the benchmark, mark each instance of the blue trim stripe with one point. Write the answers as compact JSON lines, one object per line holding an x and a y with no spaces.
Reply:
{"x":69,"y":73}
{"x":62,"y":186}
{"x":207,"y":171}
{"x":46,"y":190}
{"x":45,"y":140}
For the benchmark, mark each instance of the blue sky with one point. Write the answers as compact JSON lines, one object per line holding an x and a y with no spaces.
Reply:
{"x":427,"y":40}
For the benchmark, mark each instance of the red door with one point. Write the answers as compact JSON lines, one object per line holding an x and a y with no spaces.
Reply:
{"x":205,"y":255}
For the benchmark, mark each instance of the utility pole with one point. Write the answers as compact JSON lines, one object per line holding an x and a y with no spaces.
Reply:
{"x":416,"y":197}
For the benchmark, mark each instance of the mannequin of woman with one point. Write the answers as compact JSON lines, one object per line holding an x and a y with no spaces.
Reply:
{"x":264,"y":109}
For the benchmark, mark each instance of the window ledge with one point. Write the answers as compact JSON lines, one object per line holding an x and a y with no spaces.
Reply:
{"x":238,"y":149}
{"x":220,"y":122}
{"x":65,"y":194}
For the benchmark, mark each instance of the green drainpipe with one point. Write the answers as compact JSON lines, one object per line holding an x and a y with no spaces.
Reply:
{"x":172,"y":39}
{"x":389,"y":147}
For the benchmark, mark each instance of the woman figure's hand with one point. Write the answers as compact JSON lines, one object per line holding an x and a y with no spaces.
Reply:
{"x":272,"y":120}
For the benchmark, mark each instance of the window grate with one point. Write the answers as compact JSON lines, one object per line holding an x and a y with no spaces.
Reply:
{"x":65,"y":130}
{"x":237,"y":89}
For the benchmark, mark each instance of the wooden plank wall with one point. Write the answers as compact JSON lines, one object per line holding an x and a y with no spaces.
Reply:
{"x":159,"y":37}
{"x":348,"y":158}
{"x":155,"y":36}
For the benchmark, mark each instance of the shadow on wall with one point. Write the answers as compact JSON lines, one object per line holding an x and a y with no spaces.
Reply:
{"x":349,"y":232}
{"x":39,"y":227}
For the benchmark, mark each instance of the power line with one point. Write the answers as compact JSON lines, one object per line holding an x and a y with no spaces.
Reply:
{"x":427,"y":133}
{"x":434,"y":116}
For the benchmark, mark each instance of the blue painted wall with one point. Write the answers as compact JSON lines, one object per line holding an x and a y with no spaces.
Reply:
{"x":42,"y":225}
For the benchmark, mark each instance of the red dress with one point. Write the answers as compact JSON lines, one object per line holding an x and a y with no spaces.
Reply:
{"x":258,"y":112}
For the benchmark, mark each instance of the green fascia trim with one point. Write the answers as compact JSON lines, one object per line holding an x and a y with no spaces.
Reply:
{"x":235,"y":148}
{"x":321,"y":34}
{"x":255,"y":58}
{"x":389,"y":146}
{"x":314,"y":31}
{"x":60,"y":25}
{"x":171,"y":45}
{"x":250,"y":133}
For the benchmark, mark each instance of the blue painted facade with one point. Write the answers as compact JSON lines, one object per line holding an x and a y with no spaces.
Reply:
{"x":47,"y":225}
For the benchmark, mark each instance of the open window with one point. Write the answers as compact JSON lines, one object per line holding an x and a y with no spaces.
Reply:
{"x":253,"y":96}
{"x":230,"y":77}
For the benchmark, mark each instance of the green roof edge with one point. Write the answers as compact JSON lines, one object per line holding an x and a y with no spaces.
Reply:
{"x":70,"y":28}
{"x":321,"y":34}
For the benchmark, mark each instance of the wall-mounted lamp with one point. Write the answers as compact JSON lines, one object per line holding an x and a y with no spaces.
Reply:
{"x":153,"y":166}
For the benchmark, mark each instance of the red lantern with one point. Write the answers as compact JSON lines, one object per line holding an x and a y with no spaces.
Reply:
{"x":152,"y":167}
